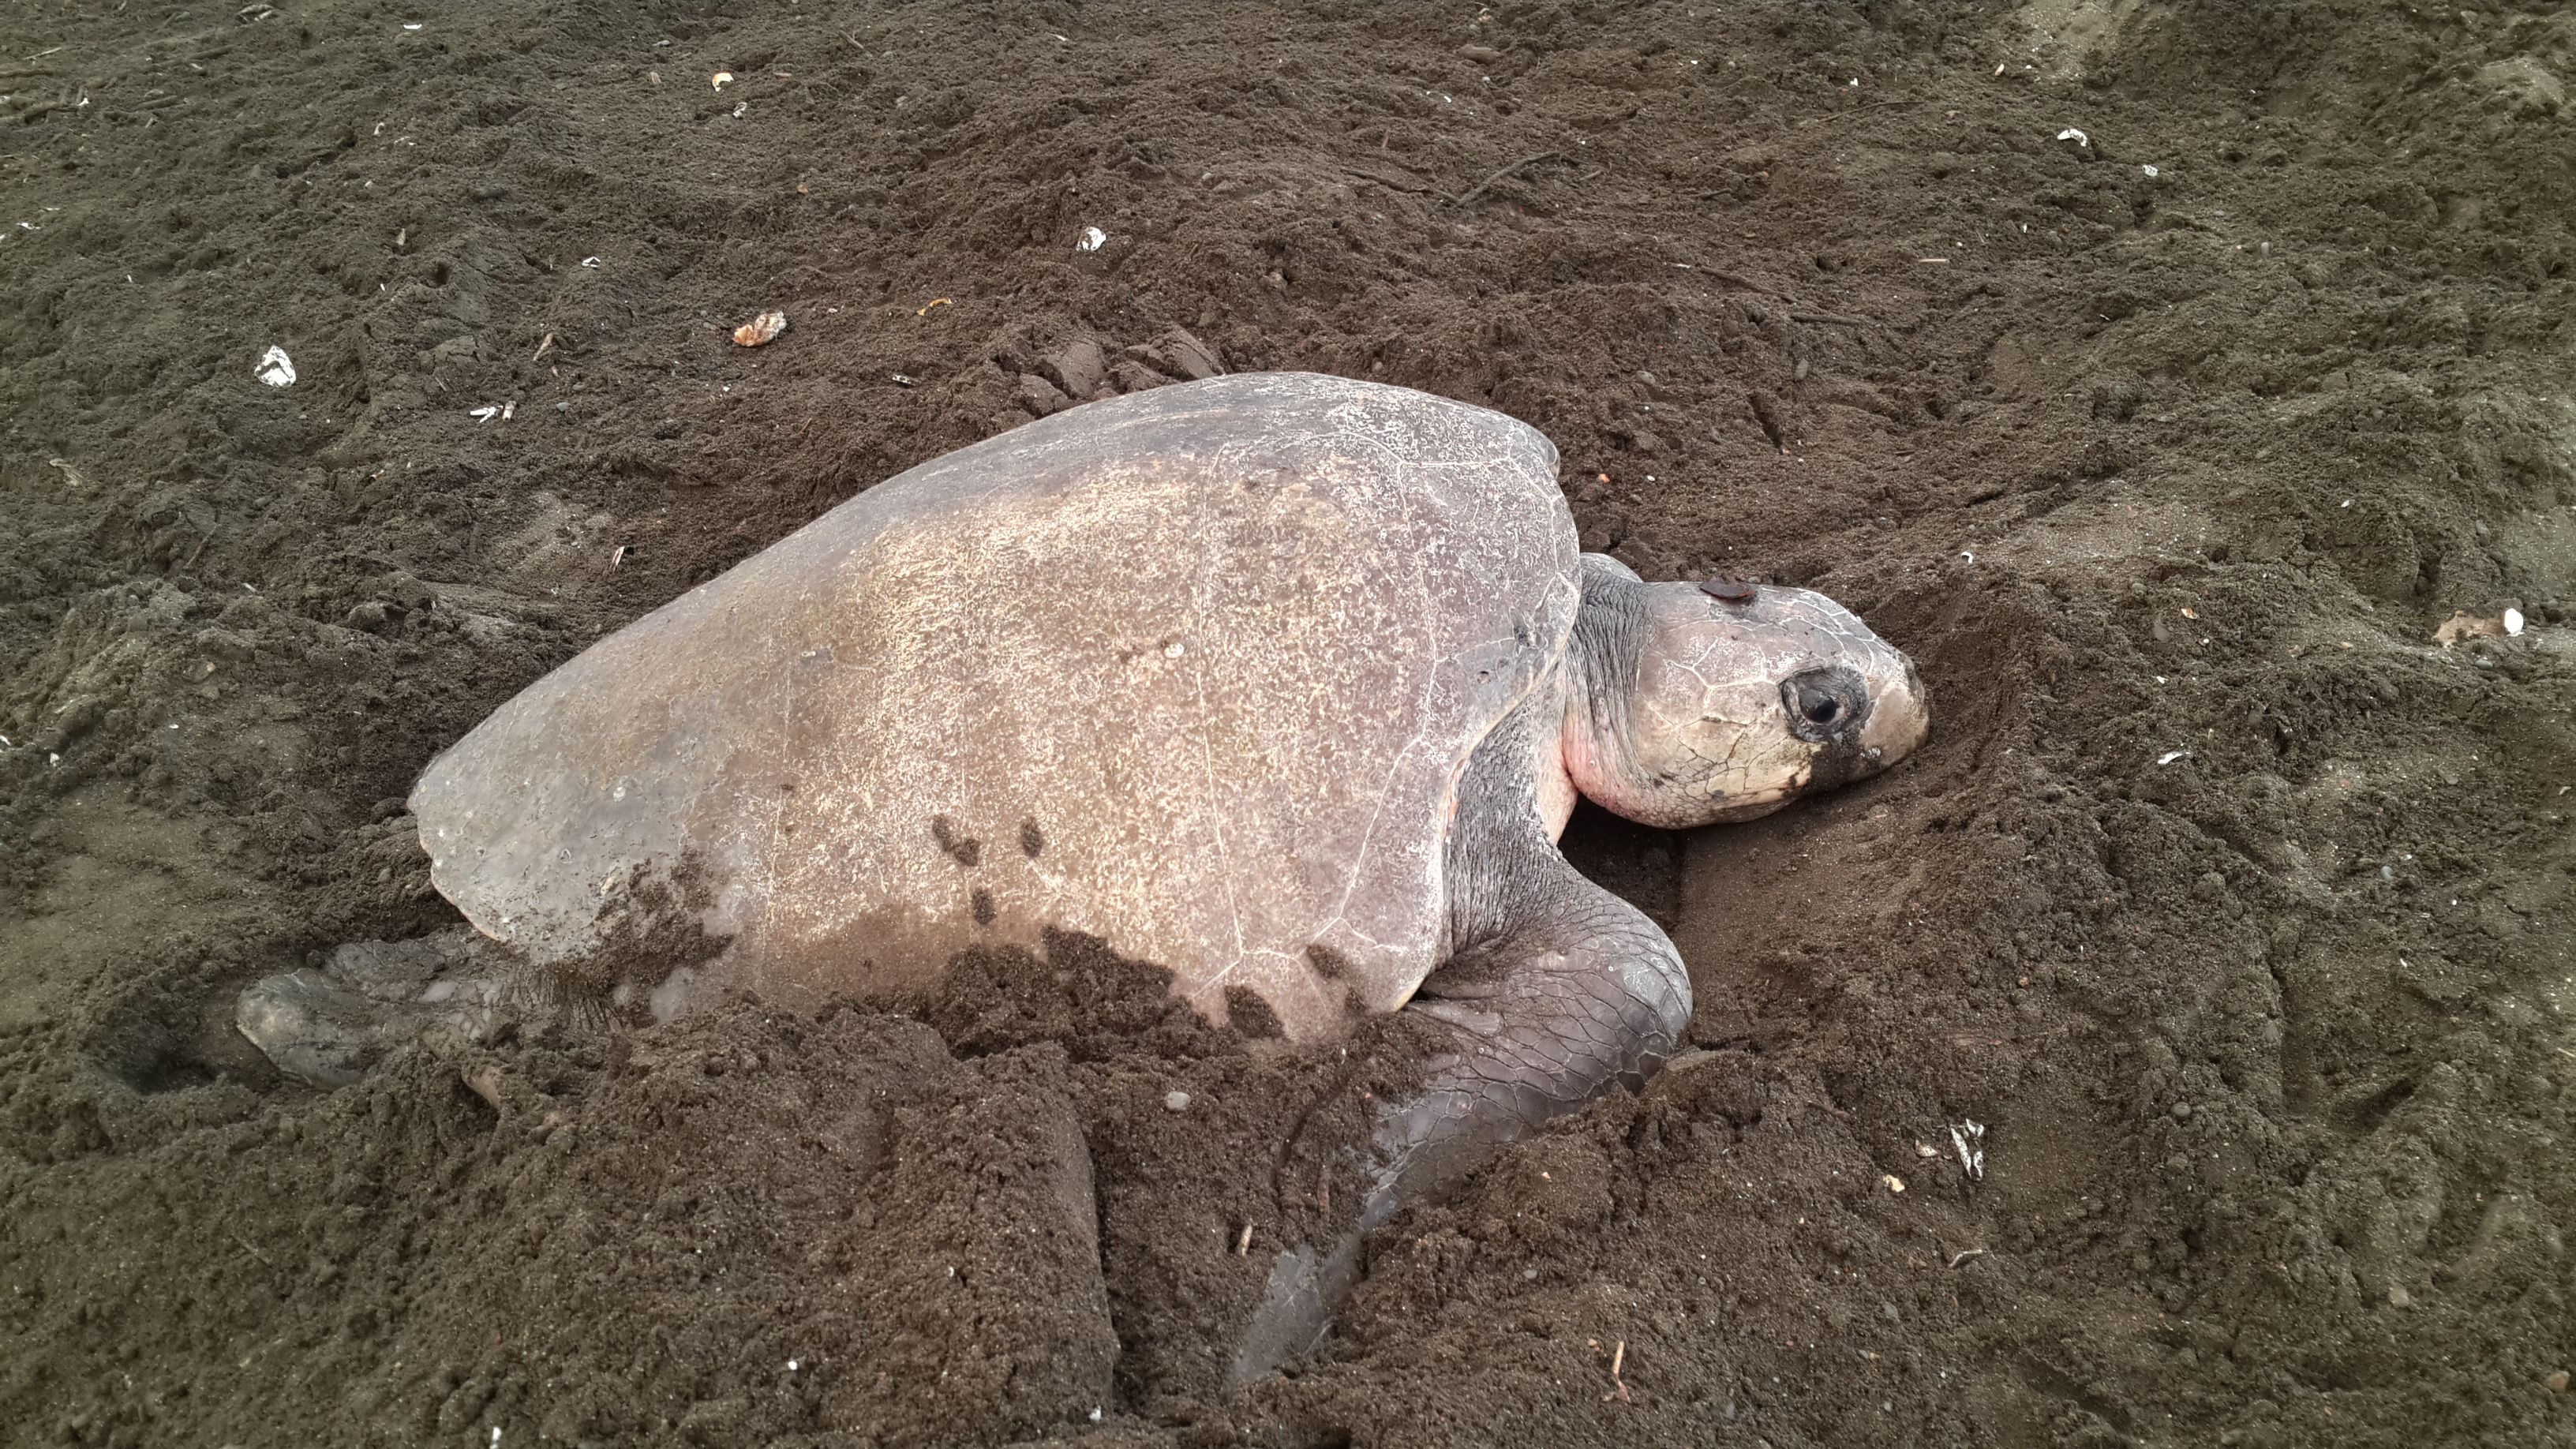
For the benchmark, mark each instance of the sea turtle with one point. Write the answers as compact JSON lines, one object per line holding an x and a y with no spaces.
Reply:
{"x":1285,"y":682}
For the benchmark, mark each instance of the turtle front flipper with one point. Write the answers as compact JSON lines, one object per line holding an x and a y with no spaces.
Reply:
{"x":1554,"y":990}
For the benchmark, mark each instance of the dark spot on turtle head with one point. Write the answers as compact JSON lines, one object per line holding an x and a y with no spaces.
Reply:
{"x":983,"y":906}
{"x":1032,"y":839}
{"x":1249,"y":1013}
{"x":1330,"y":964}
{"x":1728,"y":591}
{"x":966,"y":850}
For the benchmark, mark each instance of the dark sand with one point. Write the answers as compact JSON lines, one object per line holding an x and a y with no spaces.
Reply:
{"x":2237,"y":911}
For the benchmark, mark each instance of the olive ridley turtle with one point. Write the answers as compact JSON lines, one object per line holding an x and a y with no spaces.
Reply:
{"x":1286,"y":683}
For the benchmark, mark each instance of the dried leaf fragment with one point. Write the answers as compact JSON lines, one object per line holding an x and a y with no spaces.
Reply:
{"x":760,"y":331}
{"x":2464,"y":625}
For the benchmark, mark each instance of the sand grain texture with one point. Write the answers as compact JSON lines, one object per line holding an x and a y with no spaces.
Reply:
{"x":2269,"y":1039}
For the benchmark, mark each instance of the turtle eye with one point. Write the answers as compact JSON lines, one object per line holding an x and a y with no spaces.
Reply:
{"x":1825,"y":703}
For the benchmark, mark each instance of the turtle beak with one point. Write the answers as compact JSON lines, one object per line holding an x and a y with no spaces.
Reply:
{"x":1900,"y":715}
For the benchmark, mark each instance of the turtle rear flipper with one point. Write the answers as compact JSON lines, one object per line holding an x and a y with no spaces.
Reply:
{"x":329,"y":1025}
{"x":1304,"y":1291}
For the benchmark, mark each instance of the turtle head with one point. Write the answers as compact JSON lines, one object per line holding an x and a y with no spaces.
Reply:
{"x":1726,"y":700}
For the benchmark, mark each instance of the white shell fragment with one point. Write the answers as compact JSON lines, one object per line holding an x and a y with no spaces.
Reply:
{"x":2150,"y":171}
{"x":2076,"y":136}
{"x":1093,"y":239}
{"x":2169,"y":756}
{"x":1894,"y":1182}
{"x":1176,"y":1101}
{"x":2513,"y":623}
{"x":275,"y":368}
{"x":1969,"y":1137}
{"x":486,"y":413}
{"x":722,"y":79}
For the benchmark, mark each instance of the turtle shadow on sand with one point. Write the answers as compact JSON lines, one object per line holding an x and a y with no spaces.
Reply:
{"x":1288,"y":681}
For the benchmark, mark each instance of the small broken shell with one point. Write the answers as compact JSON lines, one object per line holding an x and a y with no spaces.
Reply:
{"x":760,"y":330}
{"x":723,"y":78}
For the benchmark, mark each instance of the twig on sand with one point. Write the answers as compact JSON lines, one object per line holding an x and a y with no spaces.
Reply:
{"x":1618,"y":1386}
{"x":1744,"y":283}
{"x":1389,"y":182}
{"x":1472,"y":192}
